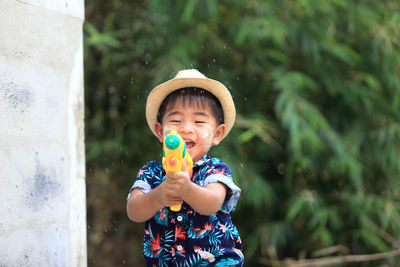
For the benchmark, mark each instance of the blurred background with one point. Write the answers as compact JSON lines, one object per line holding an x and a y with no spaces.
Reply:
{"x":315,"y":148}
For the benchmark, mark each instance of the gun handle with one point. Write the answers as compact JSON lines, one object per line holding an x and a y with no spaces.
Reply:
{"x":176,"y":208}
{"x":190,"y":170}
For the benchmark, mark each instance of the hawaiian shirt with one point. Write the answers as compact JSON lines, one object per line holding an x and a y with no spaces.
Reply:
{"x":187,"y":238}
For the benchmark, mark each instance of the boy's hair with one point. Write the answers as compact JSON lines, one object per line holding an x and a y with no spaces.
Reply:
{"x":198,"y":96}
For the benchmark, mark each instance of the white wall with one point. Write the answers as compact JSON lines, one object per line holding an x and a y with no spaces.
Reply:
{"x":42,"y":160}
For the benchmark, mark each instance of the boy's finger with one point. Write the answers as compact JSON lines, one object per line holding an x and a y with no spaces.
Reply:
{"x":184,"y":166}
{"x":174,"y":203}
{"x":174,"y":198}
{"x":173,"y":175}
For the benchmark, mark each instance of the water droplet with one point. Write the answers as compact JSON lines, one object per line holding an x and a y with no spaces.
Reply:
{"x":147,"y":62}
{"x":241,"y":164}
{"x":214,"y":60}
{"x":237,"y":78}
{"x":245,"y":98}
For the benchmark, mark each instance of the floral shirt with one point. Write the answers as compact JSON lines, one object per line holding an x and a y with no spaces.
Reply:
{"x":187,"y":238}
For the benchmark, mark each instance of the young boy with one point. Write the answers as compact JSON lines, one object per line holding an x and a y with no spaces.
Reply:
{"x":202,"y":111}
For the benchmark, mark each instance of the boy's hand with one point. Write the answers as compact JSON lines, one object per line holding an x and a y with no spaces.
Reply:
{"x":166,"y":197}
{"x":177,"y":183}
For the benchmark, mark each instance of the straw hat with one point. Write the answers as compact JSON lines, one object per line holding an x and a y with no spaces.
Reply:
{"x":190,"y":78}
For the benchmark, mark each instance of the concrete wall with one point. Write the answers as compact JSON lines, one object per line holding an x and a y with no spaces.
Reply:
{"x":42,"y":161}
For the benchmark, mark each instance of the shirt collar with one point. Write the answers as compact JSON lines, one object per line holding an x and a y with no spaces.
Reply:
{"x":206,"y":158}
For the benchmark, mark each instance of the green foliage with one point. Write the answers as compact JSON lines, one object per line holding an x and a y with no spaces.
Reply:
{"x":315,"y":147}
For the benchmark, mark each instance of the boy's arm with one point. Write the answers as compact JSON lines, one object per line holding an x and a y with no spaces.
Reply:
{"x":205,"y":200}
{"x":141,"y":207}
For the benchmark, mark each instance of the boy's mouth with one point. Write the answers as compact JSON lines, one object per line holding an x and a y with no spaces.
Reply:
{"x":189,"y":145}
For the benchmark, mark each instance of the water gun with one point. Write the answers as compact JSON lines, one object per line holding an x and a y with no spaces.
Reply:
{"x":174,"y":153}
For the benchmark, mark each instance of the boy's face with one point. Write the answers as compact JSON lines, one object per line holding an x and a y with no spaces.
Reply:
{"x":196,"y":124}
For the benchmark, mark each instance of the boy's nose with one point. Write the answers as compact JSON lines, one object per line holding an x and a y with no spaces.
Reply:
{"x":186,"y":128}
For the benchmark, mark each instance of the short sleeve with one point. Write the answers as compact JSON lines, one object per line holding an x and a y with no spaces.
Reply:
{"x":220,"y":172}
{"x":148,"y":177}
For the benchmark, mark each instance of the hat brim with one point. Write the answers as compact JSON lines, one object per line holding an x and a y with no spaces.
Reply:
{"x":160,"y":92}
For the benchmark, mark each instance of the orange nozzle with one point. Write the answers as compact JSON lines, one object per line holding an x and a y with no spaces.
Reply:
{"x":172,"y":161}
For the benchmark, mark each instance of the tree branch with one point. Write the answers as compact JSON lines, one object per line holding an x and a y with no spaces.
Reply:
{"x":330,"y":260}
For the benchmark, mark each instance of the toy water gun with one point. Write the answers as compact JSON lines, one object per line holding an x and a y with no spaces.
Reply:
{"x":174,"y":153}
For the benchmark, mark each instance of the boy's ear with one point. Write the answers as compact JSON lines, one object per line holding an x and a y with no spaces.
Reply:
{"x":219,"y":133}
{"x":159,"y":131}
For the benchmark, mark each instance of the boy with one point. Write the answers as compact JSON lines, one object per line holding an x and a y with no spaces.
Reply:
{"x":201,"y":233}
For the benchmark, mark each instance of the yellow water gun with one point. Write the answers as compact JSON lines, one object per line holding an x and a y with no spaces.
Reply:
{"x":174,"y":153}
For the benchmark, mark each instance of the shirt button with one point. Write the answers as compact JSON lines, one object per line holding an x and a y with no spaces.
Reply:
{"x":179,"y":218}
{"x":179,"y":247}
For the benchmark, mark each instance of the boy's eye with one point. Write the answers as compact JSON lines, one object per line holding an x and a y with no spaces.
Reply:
{"x":176,"y":121}
{"x":200,"y":122}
